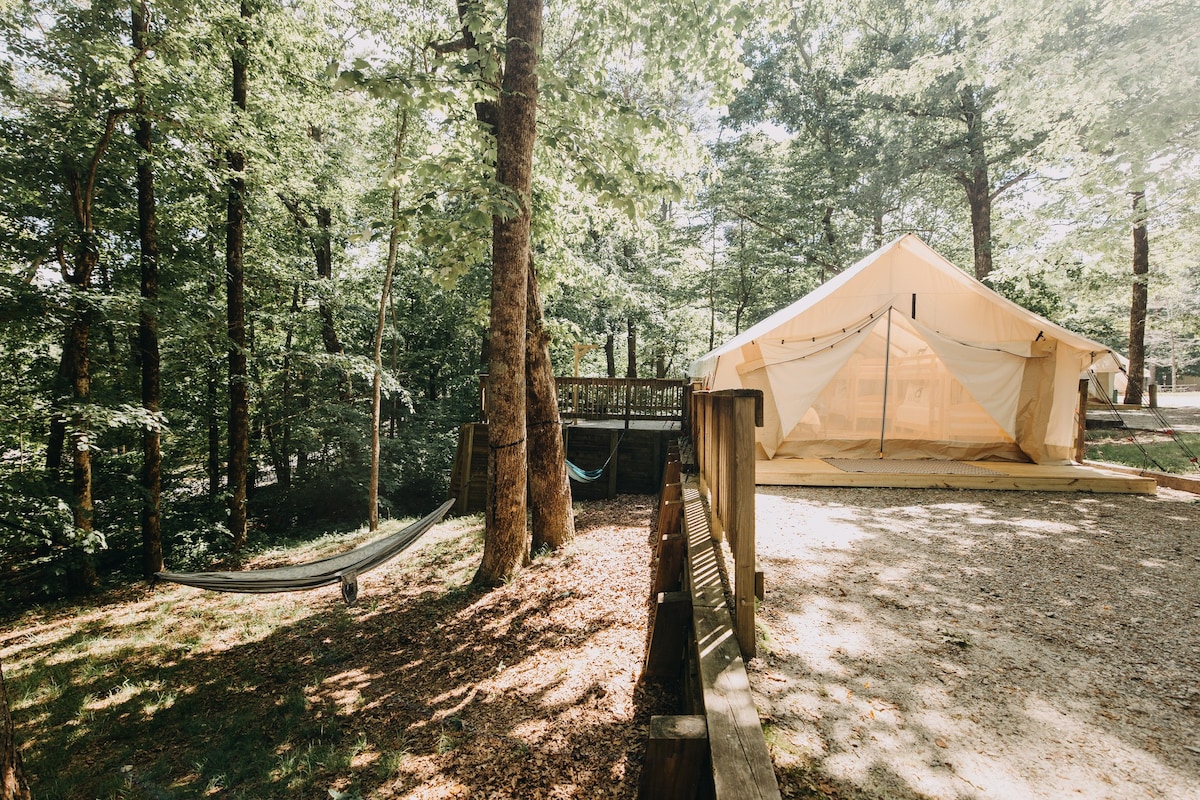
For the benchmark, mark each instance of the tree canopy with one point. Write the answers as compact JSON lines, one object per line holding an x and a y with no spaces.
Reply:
{"x":695,"y":167}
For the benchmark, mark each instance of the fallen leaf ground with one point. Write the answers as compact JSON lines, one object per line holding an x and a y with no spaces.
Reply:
{"x":426,"y":688}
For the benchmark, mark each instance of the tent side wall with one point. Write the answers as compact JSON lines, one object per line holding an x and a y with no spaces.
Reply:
{"x":1005,"y":387}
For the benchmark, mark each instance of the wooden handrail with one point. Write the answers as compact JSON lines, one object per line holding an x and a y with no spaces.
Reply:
{"x":722,"y":427}
{"x":621,"y":398}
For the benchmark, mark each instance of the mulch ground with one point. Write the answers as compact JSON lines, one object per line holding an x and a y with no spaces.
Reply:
{"x":426,"y":688}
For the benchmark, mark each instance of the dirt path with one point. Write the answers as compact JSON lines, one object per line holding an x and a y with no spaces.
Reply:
{"x":942,"y":644}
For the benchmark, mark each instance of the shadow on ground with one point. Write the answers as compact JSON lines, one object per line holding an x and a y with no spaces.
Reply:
{"x":941,"y":644}
{"x":425,"y":689}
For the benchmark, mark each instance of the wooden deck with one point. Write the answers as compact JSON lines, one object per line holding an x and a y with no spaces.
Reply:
{"x":1000,"y":475}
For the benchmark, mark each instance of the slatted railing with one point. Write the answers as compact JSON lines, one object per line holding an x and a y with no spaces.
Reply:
{"x":621,"y":398}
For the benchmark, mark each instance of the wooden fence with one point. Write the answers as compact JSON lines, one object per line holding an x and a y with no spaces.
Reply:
{"x":613,"y":398}
{"x":716,"y":748}
{"x":621,"y":398}
{"x":722,"y":429}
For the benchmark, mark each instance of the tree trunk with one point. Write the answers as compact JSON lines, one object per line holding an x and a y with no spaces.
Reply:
{"x":235,"y":299}
{"x":213,"y":393}
{"x":385,"y":293}
{"x":13,"y":785}
{"x":630,"y":348}
{"x":506,"y":542}
{"x":549,"y":484}
{"x":977,"y":184}
{"x":148,"y":351}
{"x":1137,"y":307}
{"x":610,"y":354}
{"x":76,"y":363}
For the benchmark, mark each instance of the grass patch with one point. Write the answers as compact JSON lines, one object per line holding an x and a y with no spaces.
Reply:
{"x":1160,"y":451}
{"x":176,"y":693}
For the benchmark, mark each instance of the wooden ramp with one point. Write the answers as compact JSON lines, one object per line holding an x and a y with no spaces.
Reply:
{"x":999,"y":475}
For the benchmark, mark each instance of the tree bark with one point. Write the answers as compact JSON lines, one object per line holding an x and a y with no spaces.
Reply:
{"x":630,"y":348}
{"x":506,"y":542}
{"x":81,"y":573}
{"x":148,"y":350}
{"x":977,"y":184}
{"x":321,"y":243}
{"x":550,"y":485}
{"x":235,"y":299}
{"x":610,"y":355}
{"x":384,"y":293}
{"x":1137,"y":306}
{"x":213,"y":394}
{"x":13,"y":785}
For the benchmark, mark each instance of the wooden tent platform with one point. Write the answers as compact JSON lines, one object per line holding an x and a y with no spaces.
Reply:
{"x":1000,"y":475}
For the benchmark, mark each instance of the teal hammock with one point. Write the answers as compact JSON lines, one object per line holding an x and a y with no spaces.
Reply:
{"x":581,"y":475}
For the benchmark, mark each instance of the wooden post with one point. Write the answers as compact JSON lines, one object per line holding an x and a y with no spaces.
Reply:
{"x":1081,"y":431}
{"x":741,"y":525}
{"x":614,"y":442}
{"x":628,"y":400}
{"x":461,"y":485}
{"x":668,"y":571}
{"x":668,"y":635}
{"x":669,"y":512}
{"x":675,"y":758}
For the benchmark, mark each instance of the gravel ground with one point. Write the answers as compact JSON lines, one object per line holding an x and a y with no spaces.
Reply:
{"x":968,"y":644}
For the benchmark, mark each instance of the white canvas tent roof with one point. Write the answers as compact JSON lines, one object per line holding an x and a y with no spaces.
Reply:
{"x":903,"y":355}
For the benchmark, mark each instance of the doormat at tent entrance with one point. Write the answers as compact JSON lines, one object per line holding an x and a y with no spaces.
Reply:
{"x":908,"y":466}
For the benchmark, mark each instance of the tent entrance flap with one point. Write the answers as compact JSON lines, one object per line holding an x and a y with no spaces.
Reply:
{"x":896,"y":396}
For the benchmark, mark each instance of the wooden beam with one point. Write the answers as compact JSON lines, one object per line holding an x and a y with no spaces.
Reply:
{"x":668,"y":571}
{"x":668,"y":635}
{"x":614,"y":442}
{"x":741,"y":520}
{"x":741,"y":763}
{"x":675,"y":758}
{"x":1007,"y":477}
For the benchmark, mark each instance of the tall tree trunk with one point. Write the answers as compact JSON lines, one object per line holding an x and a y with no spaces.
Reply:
{"x":213,"y":394}
{"x":506,"y":542}
{"x":235,"y":299}
{"x":610,"y":354}
{"x":385,"y":293}
{"x":152,"y":556}
{"x":1137,"y":307}
{"x":81,"y":573}
{"x":977,"y":183}
{"x":320,"y":241}
{"x":549,"y":484}
{"x":13,"y":785}
{"x":630,"y":348}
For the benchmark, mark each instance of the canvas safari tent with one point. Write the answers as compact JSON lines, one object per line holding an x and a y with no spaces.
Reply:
{"x":905,"y":356}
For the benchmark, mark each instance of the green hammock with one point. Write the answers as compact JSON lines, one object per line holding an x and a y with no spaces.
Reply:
{"x":585,"y":475}
{"x":343,"y":569}
{"x":592,"y":475}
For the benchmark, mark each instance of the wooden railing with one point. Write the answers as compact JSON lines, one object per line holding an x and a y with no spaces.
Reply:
{"x":722,"y":428}
{"x":621,"y":398}
{"x":692,"y":630}
{"x":613,"y":398}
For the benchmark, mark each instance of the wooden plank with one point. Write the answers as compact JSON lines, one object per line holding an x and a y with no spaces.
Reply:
{"x":668,"y":635}
{"x":668,"y":571}
{"x":741,"y":519}
{"x":1008,"y":477}
{"x":614,"y":439}
{"x":675,"y":758}
{"x":741,"y":763}
{"x":1182,"y":483}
